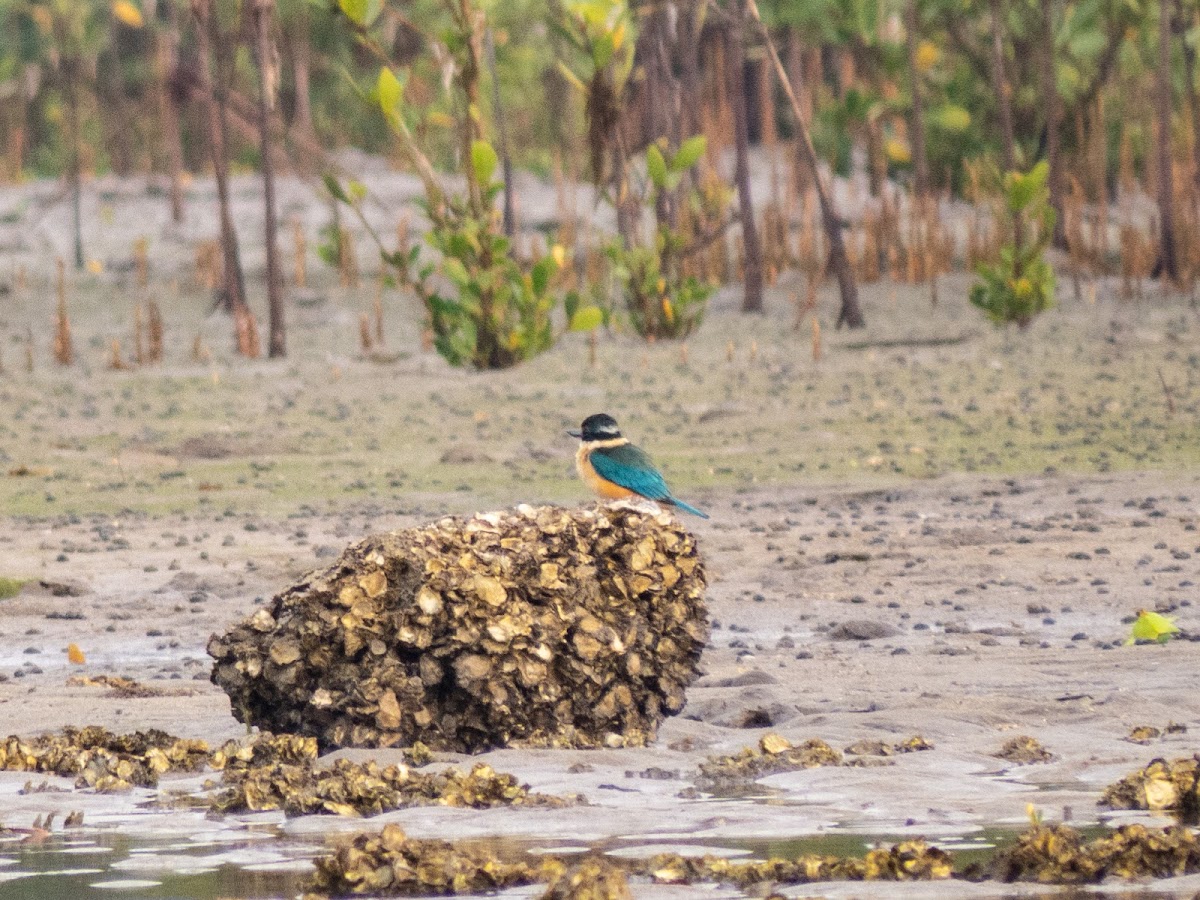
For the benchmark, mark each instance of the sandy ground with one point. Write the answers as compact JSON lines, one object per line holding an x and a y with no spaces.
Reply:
{"x":936,"y":529}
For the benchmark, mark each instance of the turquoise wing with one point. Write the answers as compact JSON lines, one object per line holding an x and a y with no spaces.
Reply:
{"x":631,"y":468}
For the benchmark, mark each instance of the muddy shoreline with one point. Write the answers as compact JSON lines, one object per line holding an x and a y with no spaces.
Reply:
{"x":966,"y":610}
{"x":935,"y":529}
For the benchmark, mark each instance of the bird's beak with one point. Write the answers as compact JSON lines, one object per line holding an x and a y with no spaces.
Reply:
{"x":575,"y":434}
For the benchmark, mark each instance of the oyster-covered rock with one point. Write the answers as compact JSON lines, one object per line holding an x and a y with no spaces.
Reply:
{"x":102,"y":760}
{"x":539,"y":626}
{"x":1162,"y":784}
{"x":391,"y":863}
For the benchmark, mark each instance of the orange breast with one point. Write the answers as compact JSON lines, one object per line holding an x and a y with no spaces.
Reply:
{"x":602,"y":487}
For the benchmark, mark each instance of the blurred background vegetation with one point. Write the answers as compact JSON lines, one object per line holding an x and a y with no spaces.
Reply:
{"x":922,"y":102}
{"x":849,"y":59}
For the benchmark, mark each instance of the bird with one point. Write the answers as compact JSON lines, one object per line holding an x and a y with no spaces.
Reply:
{"x":615,"y":469}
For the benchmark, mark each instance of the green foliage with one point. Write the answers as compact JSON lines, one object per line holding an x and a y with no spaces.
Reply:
{"x":583,"y":318}
{"x":661,"y":302}
{"x":485,"y":309}
{"x":1021,"y":284}
{"x":329,"y":245}
{"x":360,"y":12}
{"x":483,"y":161}
{"x":497,"y":314}
{"x":666,"y":175}
{"x":688,"y":154}
{"x":391,"y":93}
{"x":602,"y":34}
{"x":1104,"y":48}
{"x":659,"y":299}
{"x":603,"y":31}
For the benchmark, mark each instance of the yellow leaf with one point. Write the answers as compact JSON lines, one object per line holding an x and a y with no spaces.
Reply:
{"x":559,"y":252}
{"x":75,"y":655}
{"x":897,"y":151}
{"x":1152,"y":626}
{"x":618,"y":36}
{"x":927,"y":56}
{"x":128,"y":13}
{"x":95,"y":267}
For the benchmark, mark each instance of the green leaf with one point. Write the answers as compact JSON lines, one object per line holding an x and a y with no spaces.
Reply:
{"x":952,"y":118}
{"x":593,"y":12}
{"x":571,"y":77}
{"x":569,"y":35}
{"x":689,"y":153}
{"x":456,"y":272}
{"x":1039,"y":174}
{"x":587,"y":318}
{"x":856,"y":105}
{"x":354,"y":10}
{"x":1021,"y":189}
{"x":483,"y":161}
{"x":334,"y":188}
{"x":540,"y":274}
{"x":656,"y":167}
{"x":361,"y":12}
{"x":391,"y":93}
{"x":602,"y":50}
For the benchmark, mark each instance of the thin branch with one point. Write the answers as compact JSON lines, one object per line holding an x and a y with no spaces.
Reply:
{"x":706,"y":239}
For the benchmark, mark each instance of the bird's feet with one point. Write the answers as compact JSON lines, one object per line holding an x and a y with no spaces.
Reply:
{"x":636,"y":504}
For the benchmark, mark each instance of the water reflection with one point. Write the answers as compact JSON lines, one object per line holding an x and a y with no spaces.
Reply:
{"x":101,"y":866}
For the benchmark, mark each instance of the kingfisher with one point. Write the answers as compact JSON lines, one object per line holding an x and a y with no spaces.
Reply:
{"x":616,"y":469}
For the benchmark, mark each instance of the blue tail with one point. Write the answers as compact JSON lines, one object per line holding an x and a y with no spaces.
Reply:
{"x":687,"y":508}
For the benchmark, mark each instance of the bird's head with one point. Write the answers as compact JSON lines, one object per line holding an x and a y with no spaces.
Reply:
{"x":600,"y":427}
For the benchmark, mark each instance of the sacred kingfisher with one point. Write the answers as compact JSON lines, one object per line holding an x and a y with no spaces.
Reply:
{"x":617,"y":470}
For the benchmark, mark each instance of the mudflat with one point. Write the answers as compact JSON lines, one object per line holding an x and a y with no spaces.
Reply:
{"x":935,"y":530}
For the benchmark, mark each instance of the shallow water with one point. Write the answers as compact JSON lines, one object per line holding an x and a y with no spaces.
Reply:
{"x":102,"y":865}
{"x":95,"y":865}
